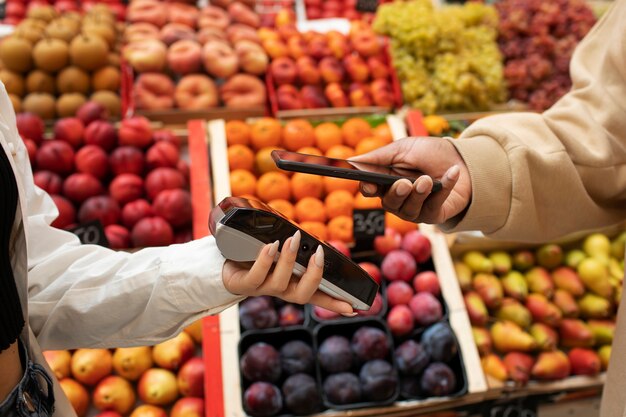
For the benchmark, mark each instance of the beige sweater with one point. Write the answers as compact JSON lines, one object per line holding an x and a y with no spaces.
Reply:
{"x":536,"y":177}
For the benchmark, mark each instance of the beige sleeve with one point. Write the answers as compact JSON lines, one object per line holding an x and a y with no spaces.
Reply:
{"x":539,"y":176}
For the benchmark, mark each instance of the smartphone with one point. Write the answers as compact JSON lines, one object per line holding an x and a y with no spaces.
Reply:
{"x":341,"y":168}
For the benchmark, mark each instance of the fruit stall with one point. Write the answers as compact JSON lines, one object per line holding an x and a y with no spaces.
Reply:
{"x":141,"y":116}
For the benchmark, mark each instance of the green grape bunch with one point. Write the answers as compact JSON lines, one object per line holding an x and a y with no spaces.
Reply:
{"x":447,"y":59}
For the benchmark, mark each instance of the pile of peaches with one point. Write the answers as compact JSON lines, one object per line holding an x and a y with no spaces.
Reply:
{"x":322,"y":206}
{"x":18,"y":10}
{"x":314,"y":70}
{"x":55,"y":61}
{"x":129,"y":178}
{"x":194,"y":59}
{"x":158,"y":381}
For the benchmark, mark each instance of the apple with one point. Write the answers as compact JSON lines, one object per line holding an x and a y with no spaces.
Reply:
{"x":283,"y":70}
{"x":174,"y":352}
{"x":89,"y":366}
{"x":288,"y":98}
{"x":114,"y":393}
{"x":191,"y":378}
{"x":117,"y":236}
{"x":188,"y":407}
{"x":59,"y":362}
{"x":91,"y":111}
{"x":152,"y":231}
{"x":158,"y":387}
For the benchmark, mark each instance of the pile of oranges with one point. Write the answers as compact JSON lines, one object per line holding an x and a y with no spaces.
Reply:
{"x":320,"y":205}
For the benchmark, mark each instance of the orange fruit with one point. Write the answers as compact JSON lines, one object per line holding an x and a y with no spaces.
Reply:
{"x":384,"y":132}
{"x":369,"y":144}
{"x":354,"y":130}
{"x":263,"y":161}
{"x":265,"y":132}
{"x":362,"y":202}
{"x":306,"y":185}
{"x":284,"y":207}
{"x":328,"y":135}
{"x":340,"y":152}
{"x":240,"y":157}
{"x":242,"y":182}
{"x":273,"y":185}
{"x":317,"y":229}
{"x":297,"y":134}
{"x":310,"y":150}
{"x":237,"y":132}
{"x":339,"y":203}
{"x":332,"y":184}
{"x":340,"y":228}
{"x":310,"y":209}
{"x":400,"y":225}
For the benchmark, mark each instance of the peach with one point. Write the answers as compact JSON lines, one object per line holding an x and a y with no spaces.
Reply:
{"x":399,"y":292}
{"x":210,"y":34}
{"x":162,"y":154}
{"x":131,"y":362}
{"x":56,"y":156}
{"x":241,"y":13}
{"x":283,"y":70}
{"x":79,"y":186}
{"x":152,"y":231}
{"x":166,"y":135}
{"x":331,"y":70}
{"x":297,"y":47}
{"x":173,"y":353}
{"x":126,"y":188}
{"x":30,"y":126}
{"x":196,"y":92}
{"x":214,"y":17}
{"x":70,"y":130}
{"x":147,"y":410}
{"x":102,"y":208}
{"x":381,"y":93}
{"x":366,"y":43}
{"x":183,"y":13}
{"x":114,"y":393}
{"x":140,"y":31}
{"x":359,"y":95}
{"x":336,"y":96}
{"x":31,"y":148}
{"x":307,"y":70}
{"x":59,"y":362}
{"x":427,"y":281}
{"x":183,"y":167}
{"x":318,"y":47}
{"x":184,"y":56}
{"x":154,"y":91}
{"x":102,"y":134}
{"x":238,"y":32}
{"x":92,"y":159}
{"x":219,"y":59}
{"x":48,"y":181}
{"x":356,"y":68}
{"x":339,"y":47}
{"x":266,"y":33}
{"x":76,"y":394}
{"x":161,"y":179}
{"x":252,"y":57}
{"x":127,"y":160}
{"x":188,"y":407}
{"x":135,"y":131}
{"x":91,"y":111}
{"x":313,"y":97}
{"x":418,"y":245}
{"x":150,"y":11}
{"x":89,"y":366}
{"x":135,"y":211}
{"x":389,"y":241}
{"x":174,"y":32}
{"x":275,"y":48}
{"x":288,"y":98}
{"x":378,"y":68}
{"x":174,"y":206}
{"x":67,"y":212}
{"x":243,"y":91}
{"x":191,"y":378}
{"x":117,"y":236}
{"x":148,"y":55}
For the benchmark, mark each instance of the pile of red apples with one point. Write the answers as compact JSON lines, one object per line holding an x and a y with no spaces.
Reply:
{"x":324,"y":9}
{"x":317,"y":70}
{"x":195,"y":59}
{"x":131,"y":179}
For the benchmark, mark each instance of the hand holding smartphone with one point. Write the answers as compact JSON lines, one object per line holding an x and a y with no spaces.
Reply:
{"x":341,"y":168}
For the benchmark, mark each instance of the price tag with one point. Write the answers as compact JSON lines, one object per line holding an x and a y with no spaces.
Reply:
{"x":366,"y":6}
{"x":91,"y":233}
{"x":368,"y":224}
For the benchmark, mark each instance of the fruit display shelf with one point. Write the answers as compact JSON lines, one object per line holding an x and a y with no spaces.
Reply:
{"x":558,"y":300}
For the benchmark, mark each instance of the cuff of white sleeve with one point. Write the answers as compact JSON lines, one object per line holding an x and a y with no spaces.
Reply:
{"x":194,"y":274}
{"x":491,"y":179}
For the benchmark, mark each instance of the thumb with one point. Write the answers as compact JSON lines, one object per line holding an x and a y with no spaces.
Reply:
{"x":386,"y":155}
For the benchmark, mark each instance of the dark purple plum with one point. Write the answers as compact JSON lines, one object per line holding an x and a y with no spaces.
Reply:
{"x":438,"y":380}
{"x":290,"y":315}
{"x":301,"y":395}
{"x":411,"y":358}
{"x":370,"y":343}
{"x":410,"y":387}
{"x":262,"y":399}
{"x":342,"y":388}
{"x":379,"y":381}
{"x":439,"y":341}
{"x":261,"y":362}
{"x":257,"y":313}
{"x":296,"y":356}
{"x":335,"y":355}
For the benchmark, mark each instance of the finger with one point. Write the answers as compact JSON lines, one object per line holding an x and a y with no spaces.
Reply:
{"x":257,"y":273}
{"x":310,"y":281}
{"x":398,"y":192}
{"x":279,"y":280}
{"x":329,"y":303}
{"x":412,"y":206}
{"x":432,"y":211}
{"x":371,"y":190}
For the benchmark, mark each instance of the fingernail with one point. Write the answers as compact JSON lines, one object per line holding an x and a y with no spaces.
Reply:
{"x":453,"y":173}
{"x":295,"y":242}
{"x":273,"y":249}
{"x":422,"y":186}
{"x":403,"y":189}
{"x":349,"y":314}
{"x":319,"y":256}
{"x":369,"y":188}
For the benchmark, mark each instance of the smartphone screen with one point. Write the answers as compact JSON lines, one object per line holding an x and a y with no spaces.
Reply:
{"x":341,"y":168}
